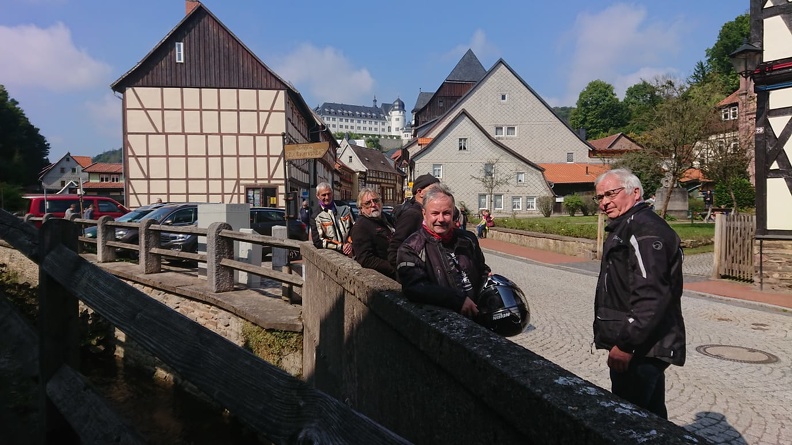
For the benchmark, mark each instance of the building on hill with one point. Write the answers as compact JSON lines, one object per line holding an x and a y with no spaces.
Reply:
{"x":65,"y":175}
{"x":386,"y":120}
{"x":205,"y":120}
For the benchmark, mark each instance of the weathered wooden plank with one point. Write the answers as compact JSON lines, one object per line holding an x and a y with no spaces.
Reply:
{"x":87,"y":412}
{"x":19,"y":234}
{"x":281,"y":407}
{"x":258,"y":270}
{"x":262,"y":239}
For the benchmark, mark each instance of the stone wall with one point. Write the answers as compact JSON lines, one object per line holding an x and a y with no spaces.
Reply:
{"x":776,"y":265}
{"x":584,"y":248}
{"x":432,"y":376}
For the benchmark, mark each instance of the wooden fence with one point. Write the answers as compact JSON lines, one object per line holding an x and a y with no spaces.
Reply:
{"x":734,"y":237}
{"x":278,"y":406}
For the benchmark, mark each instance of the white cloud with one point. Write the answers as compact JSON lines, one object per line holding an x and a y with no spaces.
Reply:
{"x":481,"y":47}
{"x":619,"y":45}
{"x":105,"y":113}
{"x":47,"y":58}
{"x":325,"y":75}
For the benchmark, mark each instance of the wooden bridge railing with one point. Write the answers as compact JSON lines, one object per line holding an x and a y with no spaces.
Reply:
{"x":280,"y":407}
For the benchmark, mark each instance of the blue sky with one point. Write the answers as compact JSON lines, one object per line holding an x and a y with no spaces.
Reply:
{"x":60,"y":56}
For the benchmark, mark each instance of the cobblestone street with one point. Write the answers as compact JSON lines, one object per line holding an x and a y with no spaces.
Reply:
{"x":724,"y":400}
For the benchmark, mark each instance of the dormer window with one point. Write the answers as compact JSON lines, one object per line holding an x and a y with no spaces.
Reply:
{"x":179,"y":52}
{"x":729,"y":113}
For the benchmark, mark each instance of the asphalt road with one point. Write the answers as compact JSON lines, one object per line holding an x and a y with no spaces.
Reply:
{"x":720,"y":398}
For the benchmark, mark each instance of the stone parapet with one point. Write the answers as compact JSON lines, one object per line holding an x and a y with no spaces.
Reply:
{"x":775,"y":272}
{"x":566,"y":245}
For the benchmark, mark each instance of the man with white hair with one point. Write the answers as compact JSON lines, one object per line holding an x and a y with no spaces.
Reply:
{"x":637,"y":307}
{"x":331,"y":223}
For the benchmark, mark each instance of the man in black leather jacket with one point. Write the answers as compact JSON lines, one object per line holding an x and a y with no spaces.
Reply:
{"x":440,"y":264}
{"x":371,"y":233}
{"x":638,"y":313}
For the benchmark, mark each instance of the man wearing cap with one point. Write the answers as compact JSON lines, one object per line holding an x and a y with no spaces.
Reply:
{"x":410,"y":217}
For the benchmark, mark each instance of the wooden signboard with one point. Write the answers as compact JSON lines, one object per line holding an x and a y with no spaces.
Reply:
{"x":313,"y":150}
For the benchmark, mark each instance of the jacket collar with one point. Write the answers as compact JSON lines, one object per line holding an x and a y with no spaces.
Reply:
{"x":616,"y":222}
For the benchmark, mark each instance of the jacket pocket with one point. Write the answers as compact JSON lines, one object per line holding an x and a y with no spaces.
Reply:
{"x":607,"y":325}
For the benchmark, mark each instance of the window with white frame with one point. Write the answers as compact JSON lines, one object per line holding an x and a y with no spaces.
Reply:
{"x":520,"y":177}
{"x":516,"y":203}
{"x":505,"y":131}
{"x":498,"y":202}
{"x":570,"y":157}
{"x":482,"y":201}
{"x":530,"y":203}
{"x":350,"y":159}
{"x":179,"y":52}
{"x":437,"y":170}
{"x":730,"y":113}
{"x":489,"y":170}
{"x":463,"y":144}
{"x":504,"y":97}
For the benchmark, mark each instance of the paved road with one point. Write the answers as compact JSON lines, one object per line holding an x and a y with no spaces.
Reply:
{"x":725,"y":401}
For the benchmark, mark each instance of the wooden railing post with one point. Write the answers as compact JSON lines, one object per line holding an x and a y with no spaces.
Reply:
{"x":720,"y":239}
{"x":147,"y":240}
{"x":219,"y":278}
{"x":105,"y":233}
{"x":58,"y":326}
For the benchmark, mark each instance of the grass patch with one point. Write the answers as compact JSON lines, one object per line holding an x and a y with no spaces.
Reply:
{"x":271,"y":345}
{"x":692,"y":235}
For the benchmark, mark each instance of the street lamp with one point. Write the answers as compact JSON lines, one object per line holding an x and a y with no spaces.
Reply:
{"x":745,"y":59}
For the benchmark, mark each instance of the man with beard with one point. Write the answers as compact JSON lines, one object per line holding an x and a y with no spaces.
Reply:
{"x":440,"y":264}
{"x":330,"y":224}
{"x":371,"y":234}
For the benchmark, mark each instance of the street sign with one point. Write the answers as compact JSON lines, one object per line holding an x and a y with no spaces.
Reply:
{"x":313,"y":150}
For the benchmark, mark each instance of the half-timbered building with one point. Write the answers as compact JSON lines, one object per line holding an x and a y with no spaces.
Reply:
{"x":205,"y":120}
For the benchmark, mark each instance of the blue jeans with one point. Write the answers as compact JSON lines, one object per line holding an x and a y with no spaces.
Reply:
{"x":643,"y":384}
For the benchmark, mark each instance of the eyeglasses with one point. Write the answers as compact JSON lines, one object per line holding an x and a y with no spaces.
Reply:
{"x":609,"y":194}
{"x":370,"y":202}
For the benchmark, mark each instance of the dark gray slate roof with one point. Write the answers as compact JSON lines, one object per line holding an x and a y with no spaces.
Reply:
{"x":469,"y":69}
{"x":373,"y":159}
{"x":423,"y":99}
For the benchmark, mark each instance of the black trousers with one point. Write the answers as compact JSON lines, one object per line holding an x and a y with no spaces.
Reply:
{"x":643,"y":384}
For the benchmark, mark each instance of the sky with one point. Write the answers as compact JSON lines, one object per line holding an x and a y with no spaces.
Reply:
{"x":59,"y":57}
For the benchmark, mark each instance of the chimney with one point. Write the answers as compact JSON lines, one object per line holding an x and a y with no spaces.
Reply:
{"x":190,"y":5}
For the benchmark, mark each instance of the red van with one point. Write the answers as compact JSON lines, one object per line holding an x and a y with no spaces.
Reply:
{"x":57,"y":205}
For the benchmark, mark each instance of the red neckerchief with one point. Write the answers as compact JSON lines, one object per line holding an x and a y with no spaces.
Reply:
{"x":446,"y":237}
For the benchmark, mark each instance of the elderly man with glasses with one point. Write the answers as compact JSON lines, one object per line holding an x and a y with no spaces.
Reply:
{"x":372,"y":233}
{"x":638,"y":311}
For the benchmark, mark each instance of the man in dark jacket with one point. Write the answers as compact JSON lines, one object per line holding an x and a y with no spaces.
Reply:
{"x":409,"y":216}
{"x":440,"y":264}
{"x":638,"y":312}
{"x":371,"y":234}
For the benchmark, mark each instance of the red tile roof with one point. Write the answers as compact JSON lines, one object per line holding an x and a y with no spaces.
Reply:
{"x":731,"y":99}
{"x":573,"y":173}
{"x":103,"y":167}
{"x":693,"y":174}
{"x":84,"y":161}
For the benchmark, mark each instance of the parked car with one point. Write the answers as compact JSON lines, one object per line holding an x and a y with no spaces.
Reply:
{"x":171,"y":214}
{"x":263,"y":219}
{"x":387,"y":210}
{"x":39,"y":205}
{"x":122,"y":232}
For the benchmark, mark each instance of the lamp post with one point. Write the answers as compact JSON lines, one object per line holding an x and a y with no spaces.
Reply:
{"x":745,"y":59}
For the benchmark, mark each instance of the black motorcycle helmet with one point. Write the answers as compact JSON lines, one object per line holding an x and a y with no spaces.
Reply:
{"x":502,"y":307}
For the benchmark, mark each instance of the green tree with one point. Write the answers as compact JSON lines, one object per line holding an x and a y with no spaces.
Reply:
{"x":731,"y":36}
{"x":110,"y":157}
{"x":679,"y":124}
{"x":563,"y":113}
{"x":646,"y":166}
{"x":599,"y":111}
{"x":640,"y":100}
{"x":23,"y":149}
{"x":493,"y":177}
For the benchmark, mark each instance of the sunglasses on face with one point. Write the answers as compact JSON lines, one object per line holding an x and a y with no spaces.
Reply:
{"x":371,"y":202}
{"x":608,"y":194}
